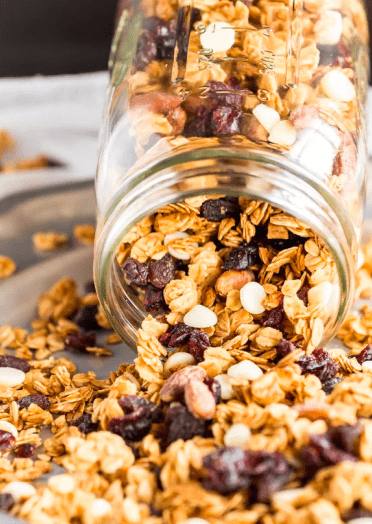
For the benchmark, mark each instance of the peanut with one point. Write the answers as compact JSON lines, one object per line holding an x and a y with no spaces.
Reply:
{"x":233,"y":280}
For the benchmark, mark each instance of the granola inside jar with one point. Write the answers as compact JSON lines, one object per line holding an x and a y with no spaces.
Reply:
{"x":230,"y":184}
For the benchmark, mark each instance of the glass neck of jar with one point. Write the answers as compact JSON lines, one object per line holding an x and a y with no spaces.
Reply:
{"x":229,"y":171}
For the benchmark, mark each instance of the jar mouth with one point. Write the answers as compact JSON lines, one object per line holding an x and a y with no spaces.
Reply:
{"x":233,"y":171}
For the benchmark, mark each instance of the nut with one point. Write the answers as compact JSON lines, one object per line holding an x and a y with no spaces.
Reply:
{"x":233,"y":280}
{"x":313,"y":410}
{"x":175,"y":385}
{"x":301,"y":117}
{"x":199,"y":399}
{"x":178,"y":361}
{"x":252,"y":128}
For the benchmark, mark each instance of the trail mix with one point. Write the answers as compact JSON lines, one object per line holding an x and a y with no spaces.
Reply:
{"x":193,"y":431}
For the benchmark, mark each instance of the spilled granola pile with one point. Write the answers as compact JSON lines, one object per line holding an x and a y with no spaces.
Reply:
{"x":224,"y":416}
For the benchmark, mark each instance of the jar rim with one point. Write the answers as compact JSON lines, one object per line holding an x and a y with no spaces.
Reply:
{"x":258,"y":174}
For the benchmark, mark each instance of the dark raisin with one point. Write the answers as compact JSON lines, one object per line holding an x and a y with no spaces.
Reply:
{"x":321,"y":453}
{"x":166,"y":40}
{"x":79,"y":342}
{"x":281,"y":243}
{"x":329,"y":385}
{"x":136,"y":272}
{"x":89,"y":287}
{"x":7,"y":440}
{"x":181,"y":424}
{"x":226,"y":121}
{"x":346,"y":436}
{"x":146,"y":50}
{"x":176,"y":336}
{"x":86,"y":318}
{"x":153,"y":300}
{"x":275,"y":318}
{"x":198,"y":343}
{"x":356,"y":513}
{"x":138,"y":419}
{"x":344,"y":58}
{"x":161,"y":272}
{"x":242,"y":257}
{"x":216,"y":210}
{"x":40,"y":400}
{"x":25,"y":451}
{"x":284,"y":348}
{"x":365,"y":354}
{"x":8,"y":361}
{"x":320,"y":364}
{"x":214,"y":388}
{"x":303,"y":295}
{"x":232,"y":469}
{"x":154,"y":512}
{"x":85,"y":424}
{"x":6,"y":501}
{"x":201,"y":124}
{"x":225,"y":94}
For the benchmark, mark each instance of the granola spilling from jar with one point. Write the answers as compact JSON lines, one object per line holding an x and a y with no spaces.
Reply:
{"x":277,"y":76}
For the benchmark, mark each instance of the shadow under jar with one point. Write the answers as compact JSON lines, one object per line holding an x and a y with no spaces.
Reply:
{"x":233,"y":152}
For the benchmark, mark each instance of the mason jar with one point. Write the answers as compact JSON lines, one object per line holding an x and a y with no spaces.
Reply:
{"x":236,"y":127}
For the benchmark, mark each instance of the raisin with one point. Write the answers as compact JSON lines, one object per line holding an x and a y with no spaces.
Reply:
{"x":146,"y":50}
{"x":329,"y":385}
{"x":153,"y":300}
{"x":214,"y":388}
{"x":198,"y":343}
{"x":284,"y":348}
{"x":176,"y":336}
{"x":224,"y":94}
{"x":7,"y":440}
{"x":357,"y":513}
{"x":365,"y":354}
{"x":216,"y":210}
{"x":138,"y":419}
{"x":275,"y":318}
{"x":320,"y":364}
{"x":86,"y":318}
{"x":281,"y":243}
{"x":303,"y":295}
{"x":136,"y":272}
{"x":89,"y":287}
{"x":346,"y":436}
{"x":40,"y":400}
{"x":79,"y":342}
{"x":85,"y":424}
{"x":201,"y":124}
{"x":232,"y":469}
{"x":161,"y":272}
{"x":25,"y":450}
{"x":6,"y":501}
{"x":321,"y":452}
{"x":226,"y":121}
{"x":8,"y":361}
{"x":166,"y":39}
{"x":242,"y":257}
{"x":181,"y":424}
{"x":183,"y":31}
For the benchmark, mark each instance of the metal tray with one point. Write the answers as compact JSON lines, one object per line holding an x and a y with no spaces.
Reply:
{"x":59,"y":206}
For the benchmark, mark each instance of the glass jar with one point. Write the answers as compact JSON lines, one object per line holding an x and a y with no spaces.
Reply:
{"x":259,"y":100}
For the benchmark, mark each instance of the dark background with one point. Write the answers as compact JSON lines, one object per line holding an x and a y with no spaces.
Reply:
{"x":58,"y":36}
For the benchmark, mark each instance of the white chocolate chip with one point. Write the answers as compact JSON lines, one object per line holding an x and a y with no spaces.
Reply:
{"x":7,"y":426}
{"x":178,"y":360}
{"x":245,"y":369}
{"x":337,"y":86}
{"x":100,"y":508}
{"x":267,"y":116}
{"x":175,"y":252}
{"x":19,"y":490}
{"x":237,"y":436}
{"x":283,"y":134}
{"x":361,"y":520}
{"x":287,"y":495}
{"x":367,"y":366}
{"x":200,"y":317}
{"x":195,"y":520}
{"x":218,"y":36}
{"x":328,"y":28}
{"x":227,"y":391}
{"x":320,"y":294}
{"x":252,"y":296}
{"x":11,"y":377}
{"x":62,"y":484}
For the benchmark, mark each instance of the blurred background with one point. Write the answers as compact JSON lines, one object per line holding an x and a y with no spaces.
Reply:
{"x":52,"y":37}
